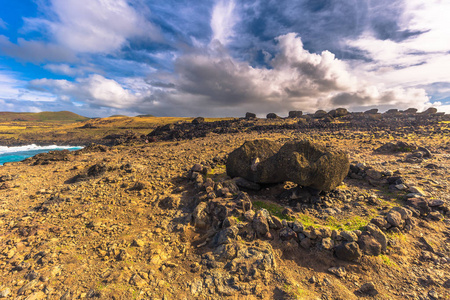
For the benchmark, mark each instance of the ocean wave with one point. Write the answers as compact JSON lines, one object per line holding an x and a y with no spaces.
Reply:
{"x":33,"y":147}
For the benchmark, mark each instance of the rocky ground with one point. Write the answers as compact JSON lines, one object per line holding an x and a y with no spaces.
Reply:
{"x":161,"y":220}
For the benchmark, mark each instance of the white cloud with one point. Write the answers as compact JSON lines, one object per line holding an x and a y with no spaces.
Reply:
{"x":3,"y":24}
{"x":94,"y":90}
{"x":417,"y":61}
{"x":97,"y":25}
{"x":223,"y":19}
{"x":35,"y":51}
{"x":14,"y":90}
{"x":80,"y":26}
{"x":298,"y":79}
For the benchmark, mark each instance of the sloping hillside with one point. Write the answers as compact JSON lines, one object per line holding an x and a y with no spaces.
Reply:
{"x":46,"y":116}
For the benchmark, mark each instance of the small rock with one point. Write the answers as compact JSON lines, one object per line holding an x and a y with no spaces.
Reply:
{"x":138,"y":243}
{"x":276,"y":222}
{"x":378,"y":235}
{"x":327,"y":243}
{"x":419,"y":204}
{"x":435,"y":216}
{"x":5,"y":293}
{"x":368,"y":288}
{"x":374,"y":174}
{"x":297,"y":226}
{"x":349,"y":236}
{"x":287,"y":234}
{"x":436,"y":203}
{"x":260,"y":223}
{"x":348,"y":251}
{"x":369,"y":245}
{"x":418,"y":190}
{"x":249,"y":215}
{"x":394,"y":218}
{"x":305,"y":243}
{"x":338,"y":271}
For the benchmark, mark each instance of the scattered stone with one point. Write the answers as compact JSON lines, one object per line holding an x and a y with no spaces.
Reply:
{"x":418,"y":191}
{"x":348,"y":251}
{"x":4,"y":293}
{"x":170,"y":202}
{"x":378,"y":235}
{"x":369,"y":245}
{"x":200,"y":216}
{"x":287,"y":234}
{"x":349,"y":236}
{"x":260,"y":223}
{"x":368,"y":288}
{"x":327,"y":243}
{"x":435,"y":216}
{"x":419,"y":204}
{"x":338,"y":271}
{"x":394,"y":218}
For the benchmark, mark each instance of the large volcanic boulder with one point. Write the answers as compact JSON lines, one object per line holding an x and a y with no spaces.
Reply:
{"x":302,"y":162}
{"x":295,"y":114}
{"x":242,"y":161}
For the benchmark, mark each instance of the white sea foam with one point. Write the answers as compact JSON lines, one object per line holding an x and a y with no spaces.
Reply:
{"x":32,"y":147}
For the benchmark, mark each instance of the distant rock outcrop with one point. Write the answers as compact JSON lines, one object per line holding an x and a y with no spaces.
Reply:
{"x":272,"y":116}
{"x":198,"y":120}
{"x":295,"y":114}
{"x":338,"y":112}
{"x":410,"y":111}
{"x":371,"y":111}
{"x":250,"y":115}
{"x":430,"y":111}
{"x":320,"y":114}
{"x":302,"y":162}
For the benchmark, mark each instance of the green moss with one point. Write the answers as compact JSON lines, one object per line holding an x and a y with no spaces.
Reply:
{"x":387,"y":261}
{"x":272,"y":208}
{"x":352,"y":223}
{"x":296,"y":292}
{"x":307,"y":220}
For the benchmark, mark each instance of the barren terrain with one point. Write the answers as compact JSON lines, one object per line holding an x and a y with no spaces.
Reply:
{"x":155,"y":217}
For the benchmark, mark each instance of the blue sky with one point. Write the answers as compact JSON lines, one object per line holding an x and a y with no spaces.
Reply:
{"x":223,"y":57}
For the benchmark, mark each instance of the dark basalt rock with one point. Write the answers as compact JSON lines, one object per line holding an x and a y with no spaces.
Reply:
{"x":295,"y":114}
{"x":348,"y":251}
{"x":250,"y":115}
{"x":320,"y":114}
{"x":371,"y":111}
{"x":272,"y":116}
{"x":430,"y":111}
{"x":198,"y":120}
{"x":302,"y":162}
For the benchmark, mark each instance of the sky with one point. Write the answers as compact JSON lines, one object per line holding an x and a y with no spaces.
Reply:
{"x":219,"y":58}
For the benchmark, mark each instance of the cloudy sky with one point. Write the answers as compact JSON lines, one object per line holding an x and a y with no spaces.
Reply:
{"x":223,"y":57}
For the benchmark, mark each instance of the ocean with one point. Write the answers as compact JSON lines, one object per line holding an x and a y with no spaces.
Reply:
{"x":9,"y":154}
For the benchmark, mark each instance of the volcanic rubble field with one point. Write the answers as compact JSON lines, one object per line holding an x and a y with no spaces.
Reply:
{"x":163,"y":221}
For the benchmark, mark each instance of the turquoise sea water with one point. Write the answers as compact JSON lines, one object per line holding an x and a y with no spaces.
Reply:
{"x":9,"y":154}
